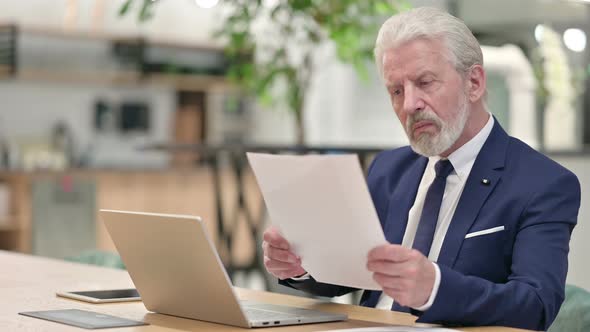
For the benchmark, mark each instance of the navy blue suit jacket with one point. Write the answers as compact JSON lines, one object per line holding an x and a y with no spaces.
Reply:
{"x":514,"y":277}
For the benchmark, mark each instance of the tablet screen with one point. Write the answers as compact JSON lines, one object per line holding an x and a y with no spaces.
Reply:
{"x":110,"y":293}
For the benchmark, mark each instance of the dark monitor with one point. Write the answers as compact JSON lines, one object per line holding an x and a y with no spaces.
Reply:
{"x":134,"y":116}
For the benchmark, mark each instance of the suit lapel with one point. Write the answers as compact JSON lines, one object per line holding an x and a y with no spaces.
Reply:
{"x":401,"y":202}
{"x":488,"y":165}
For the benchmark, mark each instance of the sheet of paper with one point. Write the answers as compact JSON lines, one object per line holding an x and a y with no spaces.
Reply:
{"x":396,"y":329}
{"x":322,"y":206}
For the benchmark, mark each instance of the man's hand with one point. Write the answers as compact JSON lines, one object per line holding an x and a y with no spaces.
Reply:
{"x":279,"y":260}
{"x":404,"y":274}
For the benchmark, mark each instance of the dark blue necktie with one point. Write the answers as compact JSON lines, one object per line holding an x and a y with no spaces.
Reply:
{"x":431,"y":209}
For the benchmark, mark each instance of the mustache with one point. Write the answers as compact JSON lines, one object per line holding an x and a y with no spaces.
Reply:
{"x":422,"y":116}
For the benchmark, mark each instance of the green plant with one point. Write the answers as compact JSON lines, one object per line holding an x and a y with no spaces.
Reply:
{"x":279,"y":68}
{"x":145,"y":12}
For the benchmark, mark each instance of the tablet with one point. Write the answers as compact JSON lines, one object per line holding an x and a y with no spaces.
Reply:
{"x":103,"y":296}
{"x":82,"y":318}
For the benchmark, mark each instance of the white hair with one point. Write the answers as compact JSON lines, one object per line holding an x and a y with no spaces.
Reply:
{"x":430,"y":23}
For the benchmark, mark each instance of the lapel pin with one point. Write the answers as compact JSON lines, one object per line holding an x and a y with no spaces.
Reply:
{"x":485,"y":182}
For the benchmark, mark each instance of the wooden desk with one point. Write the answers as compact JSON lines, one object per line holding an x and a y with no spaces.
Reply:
{"x":29,"y":283}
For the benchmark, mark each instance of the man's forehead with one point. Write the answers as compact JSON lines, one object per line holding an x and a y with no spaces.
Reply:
{"x":400,"y":55}
{"x":400,"y":62}
{"x":417,"y":69}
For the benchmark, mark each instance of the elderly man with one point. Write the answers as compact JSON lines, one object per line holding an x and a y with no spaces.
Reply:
{"x":478,"y":223}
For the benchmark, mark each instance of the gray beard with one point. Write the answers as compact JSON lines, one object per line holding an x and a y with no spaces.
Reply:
{"x":430,"y":145}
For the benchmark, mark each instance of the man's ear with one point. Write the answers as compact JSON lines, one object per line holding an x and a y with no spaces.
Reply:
{"x":476,"y":83}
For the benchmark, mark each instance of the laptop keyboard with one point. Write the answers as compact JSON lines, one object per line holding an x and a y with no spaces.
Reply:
{"x":255,"y":314}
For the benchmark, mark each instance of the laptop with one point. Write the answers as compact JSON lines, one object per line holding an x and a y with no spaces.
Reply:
{"x":176,"y":269}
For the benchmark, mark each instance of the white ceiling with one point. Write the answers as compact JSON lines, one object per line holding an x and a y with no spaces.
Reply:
{"x":480,"y":14}
{"x":485,"y":13}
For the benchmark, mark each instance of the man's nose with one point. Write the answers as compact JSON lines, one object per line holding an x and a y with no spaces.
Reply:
{"x":413,"y":101}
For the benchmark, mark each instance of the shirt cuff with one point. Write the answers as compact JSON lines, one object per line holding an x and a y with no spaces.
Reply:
{"x":435,"y":287}
{"x":306,"y":277}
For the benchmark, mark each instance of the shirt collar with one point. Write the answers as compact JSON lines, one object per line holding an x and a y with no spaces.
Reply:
{"x":464,"y":157}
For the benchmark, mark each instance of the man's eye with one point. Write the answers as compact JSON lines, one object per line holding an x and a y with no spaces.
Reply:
{"x":425,"y":83}
{"x":397,"y":92}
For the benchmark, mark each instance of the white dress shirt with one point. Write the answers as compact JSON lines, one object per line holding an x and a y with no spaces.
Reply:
{"x":462,"y":160}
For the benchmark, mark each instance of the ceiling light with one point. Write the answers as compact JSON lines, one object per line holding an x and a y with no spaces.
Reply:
{"x":206,"y":3}
{"x":539,"y":32}
{"x":270,"y":3}
{"x":575,"y":39}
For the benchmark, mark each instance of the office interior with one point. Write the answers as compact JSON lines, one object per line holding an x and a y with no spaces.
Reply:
{"x":101,"y":109}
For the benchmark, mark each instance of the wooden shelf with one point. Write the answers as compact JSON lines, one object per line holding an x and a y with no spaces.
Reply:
{"x":102,"y":35}
{"x":189,"y":82}
{"x":136,"y":47}
{"x":124,"y":78}
{"x":8,"y":227}
{"x":10,"y":223}
{"x":16,"y":220}
{"x":5,"y":70}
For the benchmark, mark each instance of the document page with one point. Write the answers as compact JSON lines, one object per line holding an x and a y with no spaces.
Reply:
{"x":322,"y":206}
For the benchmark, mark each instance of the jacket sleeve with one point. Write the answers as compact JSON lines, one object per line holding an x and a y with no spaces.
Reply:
{"x":534,"y":290}
{"x":314,"y":287}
